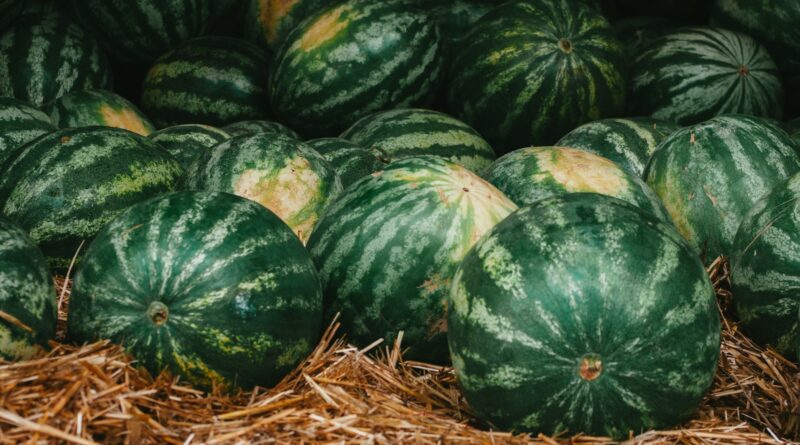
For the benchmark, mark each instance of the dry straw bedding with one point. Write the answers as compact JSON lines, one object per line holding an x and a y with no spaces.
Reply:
{"x":344,"y":394}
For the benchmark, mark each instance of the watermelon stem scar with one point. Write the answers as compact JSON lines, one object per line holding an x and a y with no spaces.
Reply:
{"x":565,"y":45}
{"x":591,"y":367}
{"x":158,"y":313}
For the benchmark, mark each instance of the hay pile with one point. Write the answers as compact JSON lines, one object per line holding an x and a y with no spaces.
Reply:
{"x":343,"y":394}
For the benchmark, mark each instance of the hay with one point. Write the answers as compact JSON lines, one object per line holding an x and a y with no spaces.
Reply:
{"x":342,"y":394}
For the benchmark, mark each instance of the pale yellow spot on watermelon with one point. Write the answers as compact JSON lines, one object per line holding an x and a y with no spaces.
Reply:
{"x":17,"y":349}
{"x":271,"y":14}
{"x":324,"y":29}
{"x":676,"y":206}
{"x":581,"y":171}
{"x":124,"y":118}
{"x":293,"y":354}
{"x":197,"y":372}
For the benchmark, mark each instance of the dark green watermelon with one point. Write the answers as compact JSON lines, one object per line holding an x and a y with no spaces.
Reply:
{"x":186,"y":142}
{"x":694,"y":74}
{"x":350,"y":161}
{"x":252,"y":127}
{"x":86,"y":108}
{"x":281,"y":173}
{"x":354,"y":59}
{"x":45,"y":57}
{"x":531,"y":70}
{"x":583,"y":314}
{"x":710,"y":174}
{"x":765,"y":268}
{"x":208,"y":80}
{"x":20,"y":123}
{"x":27,"y":297}
{"x":531,"y":174}
{"x":210,"y":286}
{"x":388,"y":247}
{"x":628,"y":142}
{"x":268,"y":22}
{"x":65,"y":186}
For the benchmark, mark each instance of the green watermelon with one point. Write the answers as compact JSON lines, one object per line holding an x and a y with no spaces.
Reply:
{"x":64,"y":187}
{"x":773,"y":24}
{"x":86,"y":108}
{"x":252,"y":127}
{"x":281,"y":173}
{"x":268,"y":22}
{"x":186,"y":142}
{"x":531,"y":70}
{"x":413,"y":132}
{"x":353,"y":59}
{"x":136,"y":32}
{"x":27,"y":297}
{"x":765,"y":268}
{"x":694,"y":74}
{"x":208,"y":80}
{"x":210,"y":286}
{"x":582,"y":313}
{"x":388,"y":247}
{"x":531,"y":174}
{"x":628,"y":142}
{"x":710,"y":174}
{"x":45,"y":57}
{"x":350,"y":161}
{"x":20,"y":123}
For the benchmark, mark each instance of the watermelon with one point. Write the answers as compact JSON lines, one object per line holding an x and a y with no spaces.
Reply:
{"x":710,"y":174}
{"x":210,"y":286}
{"x":413,"y":132}
{"x":186,"y":142}
{"x":27,"y":297}
{"x":136,"y":32}
{"x":628,"y":142}
{"x":694,"y":74}
{"x":20,"y":123}
{"x":268,"y":22}
{"x":45,"y":57}
{"x":531,"y":70}
{"x":765,"y":268}
{"x":252,"y":127}
{"x":208,"y":80}
{"x":350,"y":161}
{"x":281,"y":173}
{"x":353,"y":59}
{"x":773,"y":24}
{"x":583,"y":313}
{"x":388,"y":247}
{"x":65,"y":186}
{"x":86,"y":108}
{"x":535,"y":173}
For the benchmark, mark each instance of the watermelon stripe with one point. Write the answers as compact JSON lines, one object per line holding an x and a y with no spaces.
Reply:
{"x":350,"y":161}
{"x":20,"y":123}
{"x":186,"y":142}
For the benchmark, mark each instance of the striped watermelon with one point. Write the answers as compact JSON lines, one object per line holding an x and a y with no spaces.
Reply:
{"x":628,"y":142}
{"x":765,"y":268}
{"x":268,"y":22}
{"x":354,"y":59}
{"x":186,"y":142}
{"x":45,"y":57}
{"x":531,"y":174}
{"x":280,"y":173}
{"x":350,"y":161}
{"x":210,"y":286}
{"x":27,"y":297}
{"x":138,"y":31}
{"x":583,"y":313}
{"x":65,"y":186}
{"x":694,"y":74}
{"x":413,"y":132}
{"x":710,"y":174}
{"x":86,"y":108}
{"x":20,"y":123}
{"x":388,"y":247}
{"x":208,"y":80}
{"x":531,"y":70}
{"x":252,"y":127}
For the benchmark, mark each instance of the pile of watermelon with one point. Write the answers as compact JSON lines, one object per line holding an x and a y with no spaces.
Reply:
{"x":527,"y":190}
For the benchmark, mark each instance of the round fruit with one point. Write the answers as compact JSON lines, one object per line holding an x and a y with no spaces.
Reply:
{"x":210,"y":286}
{"x":20,"y":123}
{"x":388,"y":247}
{"x":350,"y":161}
{"x":27,"y":297}
{"x":583,"y":313}
{"x":252,"y":127}
{"x":710,"y":174}
{"x":86,"y":108}
{"x":186,"y":142}
{"x":268,"y":22}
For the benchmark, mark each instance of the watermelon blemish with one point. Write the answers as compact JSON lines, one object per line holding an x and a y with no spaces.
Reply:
{"x":325,"y":29}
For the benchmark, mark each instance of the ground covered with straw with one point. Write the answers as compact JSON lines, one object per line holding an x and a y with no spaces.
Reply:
{"x":95,"y":394}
